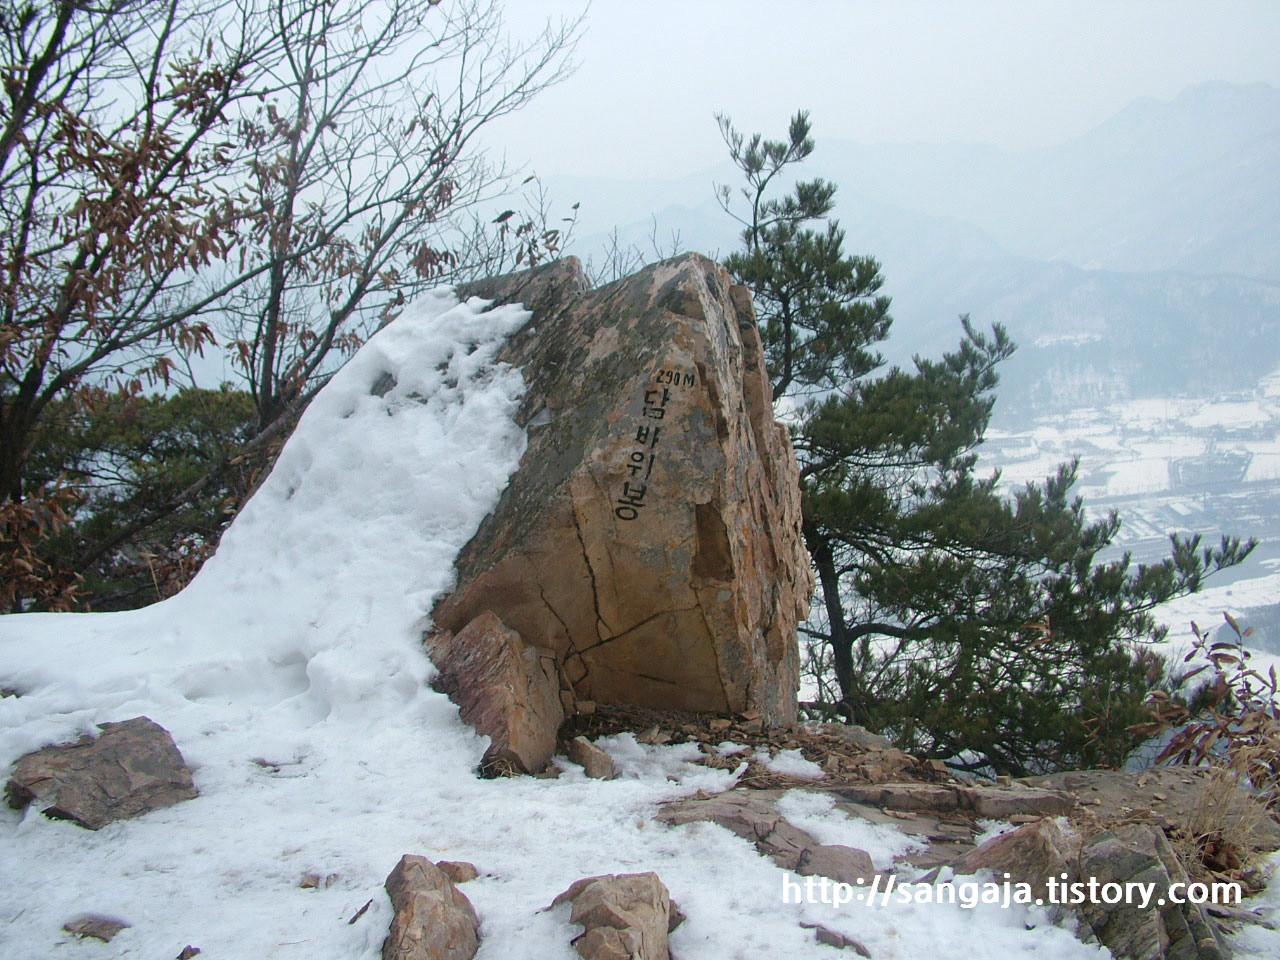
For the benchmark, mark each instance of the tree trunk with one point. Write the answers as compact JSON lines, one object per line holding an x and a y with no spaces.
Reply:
{"x":839,"y":638}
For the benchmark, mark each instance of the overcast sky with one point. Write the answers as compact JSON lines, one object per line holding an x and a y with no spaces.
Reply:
{"x":1017,"y":73}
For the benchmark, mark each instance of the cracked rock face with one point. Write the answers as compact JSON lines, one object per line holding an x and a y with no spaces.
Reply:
{"x":651,"y":536}
{"x":1165,"y":930}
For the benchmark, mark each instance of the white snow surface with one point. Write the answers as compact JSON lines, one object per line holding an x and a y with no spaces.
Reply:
{"x":791,"y":763}
{"x":292,"y":677}
{"x":817,"y":814}
{"x":1229,"y":415}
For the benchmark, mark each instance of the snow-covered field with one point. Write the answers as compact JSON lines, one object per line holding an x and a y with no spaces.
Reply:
{"x":292,"y":678}
{"x":1205,"y":610}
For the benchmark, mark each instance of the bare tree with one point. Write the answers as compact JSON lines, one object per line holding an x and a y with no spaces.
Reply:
{"x":363,"y":160}
{"x":618,"y":258}
{"x":282,"y":174}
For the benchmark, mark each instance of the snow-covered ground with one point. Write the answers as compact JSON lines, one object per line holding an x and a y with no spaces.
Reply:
{"x":1230,"y":415}
{"x":1205,"y":610}
{"x":291,"y":675}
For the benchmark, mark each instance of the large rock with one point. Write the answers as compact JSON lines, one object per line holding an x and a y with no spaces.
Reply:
{"x":506,"y":689}
{"x":1165,"y":930}
{"x":132,"y":768}
{"x":651,"y":535}
{"x":624,"y":916}
{"x":433,"y":919}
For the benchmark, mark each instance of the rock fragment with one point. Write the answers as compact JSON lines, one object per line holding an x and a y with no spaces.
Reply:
{"x":832,"y":938}
{"x":459,"y":871}
{"x":132,"y":768}
{"x":597,"y":764}
{"x":506,"y":689}
{"x":433,"y":919}
{"x":624,"y":916}
{"x":96,"y":926}
{"x":756,"y":820}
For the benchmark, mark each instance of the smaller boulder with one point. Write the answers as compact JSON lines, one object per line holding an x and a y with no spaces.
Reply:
{"x":433,"y":919}
{"x":132,"y":768}
{"x":95,"y":926}
{"x":459,"y":871}
{"x":624,"y":916}
{"x":1031,"y":854}
{"x":597,"y":764}
{"x":506,"y":689}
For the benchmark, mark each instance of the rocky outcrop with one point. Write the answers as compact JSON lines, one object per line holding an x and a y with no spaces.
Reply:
{"x":1136,"y":853}
{"x":433,"y":919}
{"x":994,"y":802}
{"x":132,"y":768}
{"x":624,"y":916}
{"x":506,"y":689}
{"x":651,"y":534}
{"x":1165,"y":929}
{"x":1165,"y":796}
{"x":756,"y":820}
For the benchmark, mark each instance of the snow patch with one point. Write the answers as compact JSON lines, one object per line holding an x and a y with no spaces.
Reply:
{"x":790,"y":763}
{"x":817,"y":815}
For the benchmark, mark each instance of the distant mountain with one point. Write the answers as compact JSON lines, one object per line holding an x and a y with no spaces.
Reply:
{"x":1187,"y":184}
{"x":1140,"y":259}
{"x":1218,"y":218}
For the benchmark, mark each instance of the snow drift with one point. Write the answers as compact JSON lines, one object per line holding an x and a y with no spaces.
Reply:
{"x":291,"y":675}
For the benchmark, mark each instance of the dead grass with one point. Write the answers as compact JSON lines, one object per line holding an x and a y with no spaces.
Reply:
{"x":1222,"y":835}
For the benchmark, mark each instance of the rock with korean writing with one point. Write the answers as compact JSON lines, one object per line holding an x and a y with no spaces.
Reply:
{"x":651,"y":536}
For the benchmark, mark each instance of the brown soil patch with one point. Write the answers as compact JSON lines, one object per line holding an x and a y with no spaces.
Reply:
{"x":842,"y":760}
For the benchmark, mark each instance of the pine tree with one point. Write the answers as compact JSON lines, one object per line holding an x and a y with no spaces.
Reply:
{"x":964,"y":623}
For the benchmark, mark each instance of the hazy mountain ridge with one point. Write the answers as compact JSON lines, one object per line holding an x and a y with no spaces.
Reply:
{"x":1219,"y":218}
{"x":1151,"y":171}
{"x":1139,"y":259}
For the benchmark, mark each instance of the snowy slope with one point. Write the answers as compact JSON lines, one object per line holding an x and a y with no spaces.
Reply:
{"x":292,"y":679}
